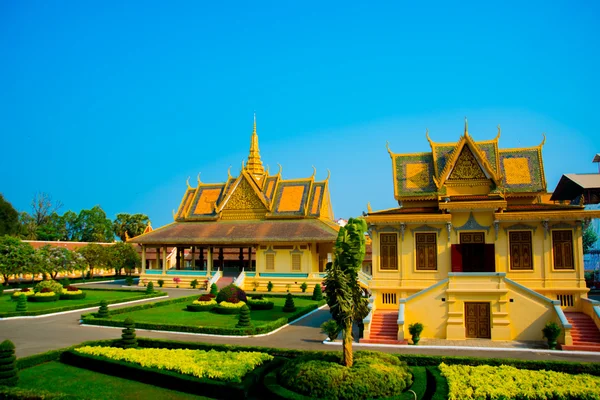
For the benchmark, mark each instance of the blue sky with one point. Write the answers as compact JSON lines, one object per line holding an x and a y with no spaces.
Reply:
{"x":117,"y":104}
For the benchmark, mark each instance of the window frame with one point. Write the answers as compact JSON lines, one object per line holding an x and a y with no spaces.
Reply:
{"x":389,"y":245}
{"x":572,"y":249}
{"x":510,"y":256}
{"x":435,"y":246}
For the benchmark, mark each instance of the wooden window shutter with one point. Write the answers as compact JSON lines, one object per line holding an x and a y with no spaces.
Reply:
{"x":520,"y":244}
{"x":562,"y":247}
{"x":456,"y":253}
{"x":426,"y":251}
{"x":270,"y":262}
{"x":489,"y":258}
{"x":296,"y":262}
{"x":388,"y":251}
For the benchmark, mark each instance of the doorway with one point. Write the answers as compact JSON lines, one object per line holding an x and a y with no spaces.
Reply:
{"x":473,"y":251}
{"x":477,"y":320}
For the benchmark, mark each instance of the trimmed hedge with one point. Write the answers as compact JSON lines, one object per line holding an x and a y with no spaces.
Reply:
{"x":66,"y":296}
{"x":17,"y":393}
{"x":167,"y":379}
{"x":411,"y":359}
{"x":198,"y":307}
{"x":92,"y":319}
{"x":43,"y":299}
{"x":260,"y":304}
{"x":440,"y":390}
{"x":57,"y":309}
{"x":53,"y":355}
{"x":227,"y":310}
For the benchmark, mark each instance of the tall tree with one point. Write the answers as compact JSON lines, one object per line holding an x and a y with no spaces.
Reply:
{"x":123,"y":255}
{"x":42,"y":206}
{"x":70,"y":223}
{"x":344,"y":295}
{"x":589,"y":239}
{"x":95,"y":256}
{"x":15,"y":257}
{"x":93,"y":226}
{"x":53,"y":229}
{"x":9,"y":218}
{"x":27,"y":226}
{"x":54,"y":260}
{"x":133,"y":225}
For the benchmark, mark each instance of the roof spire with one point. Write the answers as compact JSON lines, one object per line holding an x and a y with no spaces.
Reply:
{"x":254,"y":164}
{"x":466,"y":127}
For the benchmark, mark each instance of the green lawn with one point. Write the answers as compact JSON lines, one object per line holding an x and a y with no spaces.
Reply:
{"x":92,"y":298}
{"x":57,"y":377}
{"x":177,"y":314}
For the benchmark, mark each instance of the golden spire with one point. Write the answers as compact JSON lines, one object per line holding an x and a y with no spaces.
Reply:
{"x":254,"y":164}
{"x":466,"y":127}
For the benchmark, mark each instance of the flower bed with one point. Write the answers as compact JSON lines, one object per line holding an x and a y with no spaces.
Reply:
{"x":226,"y":307}
{"x":42,"y":297}
{"x":505,"y":382}
{"x":222,"y":366}
{"x":22,"y":292}
{"x":198,"y":305}
{"x":263,"y":304}
{"x":72,"y":293}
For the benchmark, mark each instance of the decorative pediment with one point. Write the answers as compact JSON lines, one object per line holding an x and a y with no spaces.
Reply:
{"x":243,"y":202}
{"x":472,"y":225}
{"x":426,"y":228}
{"x":466,"y":167}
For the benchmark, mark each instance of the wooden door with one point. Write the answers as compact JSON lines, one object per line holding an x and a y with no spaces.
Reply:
{"x":477,"y":320}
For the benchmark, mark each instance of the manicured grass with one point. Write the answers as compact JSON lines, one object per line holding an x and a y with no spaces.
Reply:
{"x":92,"y":297}
{"x":57,"y":377}
{"x":178,"y":315}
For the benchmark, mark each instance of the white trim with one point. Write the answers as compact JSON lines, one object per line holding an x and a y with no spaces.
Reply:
{"x":210,"y":334}
{"x":80,"y":309}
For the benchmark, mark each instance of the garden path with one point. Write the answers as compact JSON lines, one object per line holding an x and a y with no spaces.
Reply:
{"x":32,"y":336}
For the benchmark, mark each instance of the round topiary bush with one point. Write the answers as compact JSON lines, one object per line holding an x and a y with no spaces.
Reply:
{"x":214,"y":289}
{"x":128,"y":340}
{"x":317,"y":293}
{"x":373,"y":375}
{"x":230,"y":293}
{"x":21,"y":303}
{"x":150,"y":288}
{"x":8,"y":367}
{"x":53,"y":286}
{"x":289,"y":305}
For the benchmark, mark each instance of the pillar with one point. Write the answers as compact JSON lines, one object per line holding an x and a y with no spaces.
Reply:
{"x":164,"y":259}
{"x":241,"y":257}
{"x":193,"y":258}
{"x":221,"y":259}
{"x":178,"y":258}
{"x":201,"y":257}
{"x":249,"y":258}
{"x":209,"y":260}
{"x":143,"y":257}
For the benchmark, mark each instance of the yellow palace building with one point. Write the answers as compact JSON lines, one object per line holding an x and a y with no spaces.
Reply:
{"x":277,"y":230}
{"x":476,"y":249}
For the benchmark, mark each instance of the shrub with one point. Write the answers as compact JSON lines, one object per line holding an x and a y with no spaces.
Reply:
{"x":1,"y":290}
{"x":68,"y":294}
{"x":262,"y":304}
{"x":226,"y":307}
{"x":202,"y":305}
{"x":160,"y":282}
{"x":373,"y":375}
{"x":53,"y":286}
{"x":129,"y":280}
{"x":303,"y":287}
{"x":317,"y":293}
{"x":230,"y":293}
{"x":194,"y":283}
{"x":269,"y":286}
{"x":45,"y":290}
{"x":331,"y":328}
{"x":206,"y":297}
{"x":22,"y":304}
{"x":71,"y":288}
{"x":214,"y":289}
{"x":244,"y":318}
{"x":65,"y":282}
{"x":415,"y":329}
{"x":128,"y":340}
{"x":150,"y":288}
{"x":289,"y":305}
{"x":257,"y":297}
{"x":103,"y":310}
{"x":8,"y":367}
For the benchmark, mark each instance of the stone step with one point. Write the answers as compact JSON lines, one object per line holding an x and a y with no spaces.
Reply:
{"x":383,"y":341}
{"x":582,"y":347}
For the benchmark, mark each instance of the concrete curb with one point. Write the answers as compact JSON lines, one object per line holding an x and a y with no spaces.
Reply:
{"x":213,"y":335}
{"x":80,"y":309}
{"x":464,"y":348}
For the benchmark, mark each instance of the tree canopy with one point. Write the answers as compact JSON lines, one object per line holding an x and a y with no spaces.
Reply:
{"x":132,"y":224}
{"x":589,"y":239}
{"x":9,"y":218}
{"x":16,"y":257}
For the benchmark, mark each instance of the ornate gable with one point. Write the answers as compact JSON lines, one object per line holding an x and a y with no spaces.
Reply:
{"x":466,"y":167}
{"x":243,"y":203}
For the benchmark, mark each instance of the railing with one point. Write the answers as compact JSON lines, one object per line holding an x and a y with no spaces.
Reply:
{"x":216,"y":276}
{"x":239,"y":280}
{"x":368,"y":318}
{"x":592,"y":308}
{"x":364,"y":278}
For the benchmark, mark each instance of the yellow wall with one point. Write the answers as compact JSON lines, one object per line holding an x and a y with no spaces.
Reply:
{"x":430,"y":310}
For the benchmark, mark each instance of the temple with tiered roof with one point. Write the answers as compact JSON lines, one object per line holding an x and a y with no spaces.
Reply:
{"x":281,"y":229}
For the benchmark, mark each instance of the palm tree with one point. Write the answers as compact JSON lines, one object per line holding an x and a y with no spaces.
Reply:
{"x":344,"y":295}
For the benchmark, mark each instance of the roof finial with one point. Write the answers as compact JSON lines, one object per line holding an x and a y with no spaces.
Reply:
{"x":314,"y":172}
{"x":498,"y":135}
{"x":279,"y":172}
{"x":254,"y":165}
{"x":187,"y":182}
{"x":466,"y":127}
{"x":387,"y":146}
{"x":543,"y":140}
{"x":369,"y":209}
{"x":229,"y":173}
{"x":328,"y":175}
{"x":427,"y":136}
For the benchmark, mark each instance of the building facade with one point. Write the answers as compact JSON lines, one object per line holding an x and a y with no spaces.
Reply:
{"x":476,"y":249}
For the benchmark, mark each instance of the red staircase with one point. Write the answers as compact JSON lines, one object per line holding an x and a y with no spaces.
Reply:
{"x":384,"y":328}
{"x":585,"y":333}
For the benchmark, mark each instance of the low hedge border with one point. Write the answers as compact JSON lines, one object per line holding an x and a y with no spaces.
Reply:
{"x":167,"y":379}
{"x":227,"y":310}
{"x":279,"y":392}
{"x":53,"y":355}
{"x":410,"y":359}
{"x":198,"y":307}
{"x":440,"y":390}
{"x":17,"y":393}
{"x":91,"y":319}
{"x":43,"y":299}
{"x":261,"y":306}
{"x":141,"y":296}
{"x":79,"y":296}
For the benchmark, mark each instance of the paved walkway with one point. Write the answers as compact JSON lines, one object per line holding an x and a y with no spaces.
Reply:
{"x":32,"y":336}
